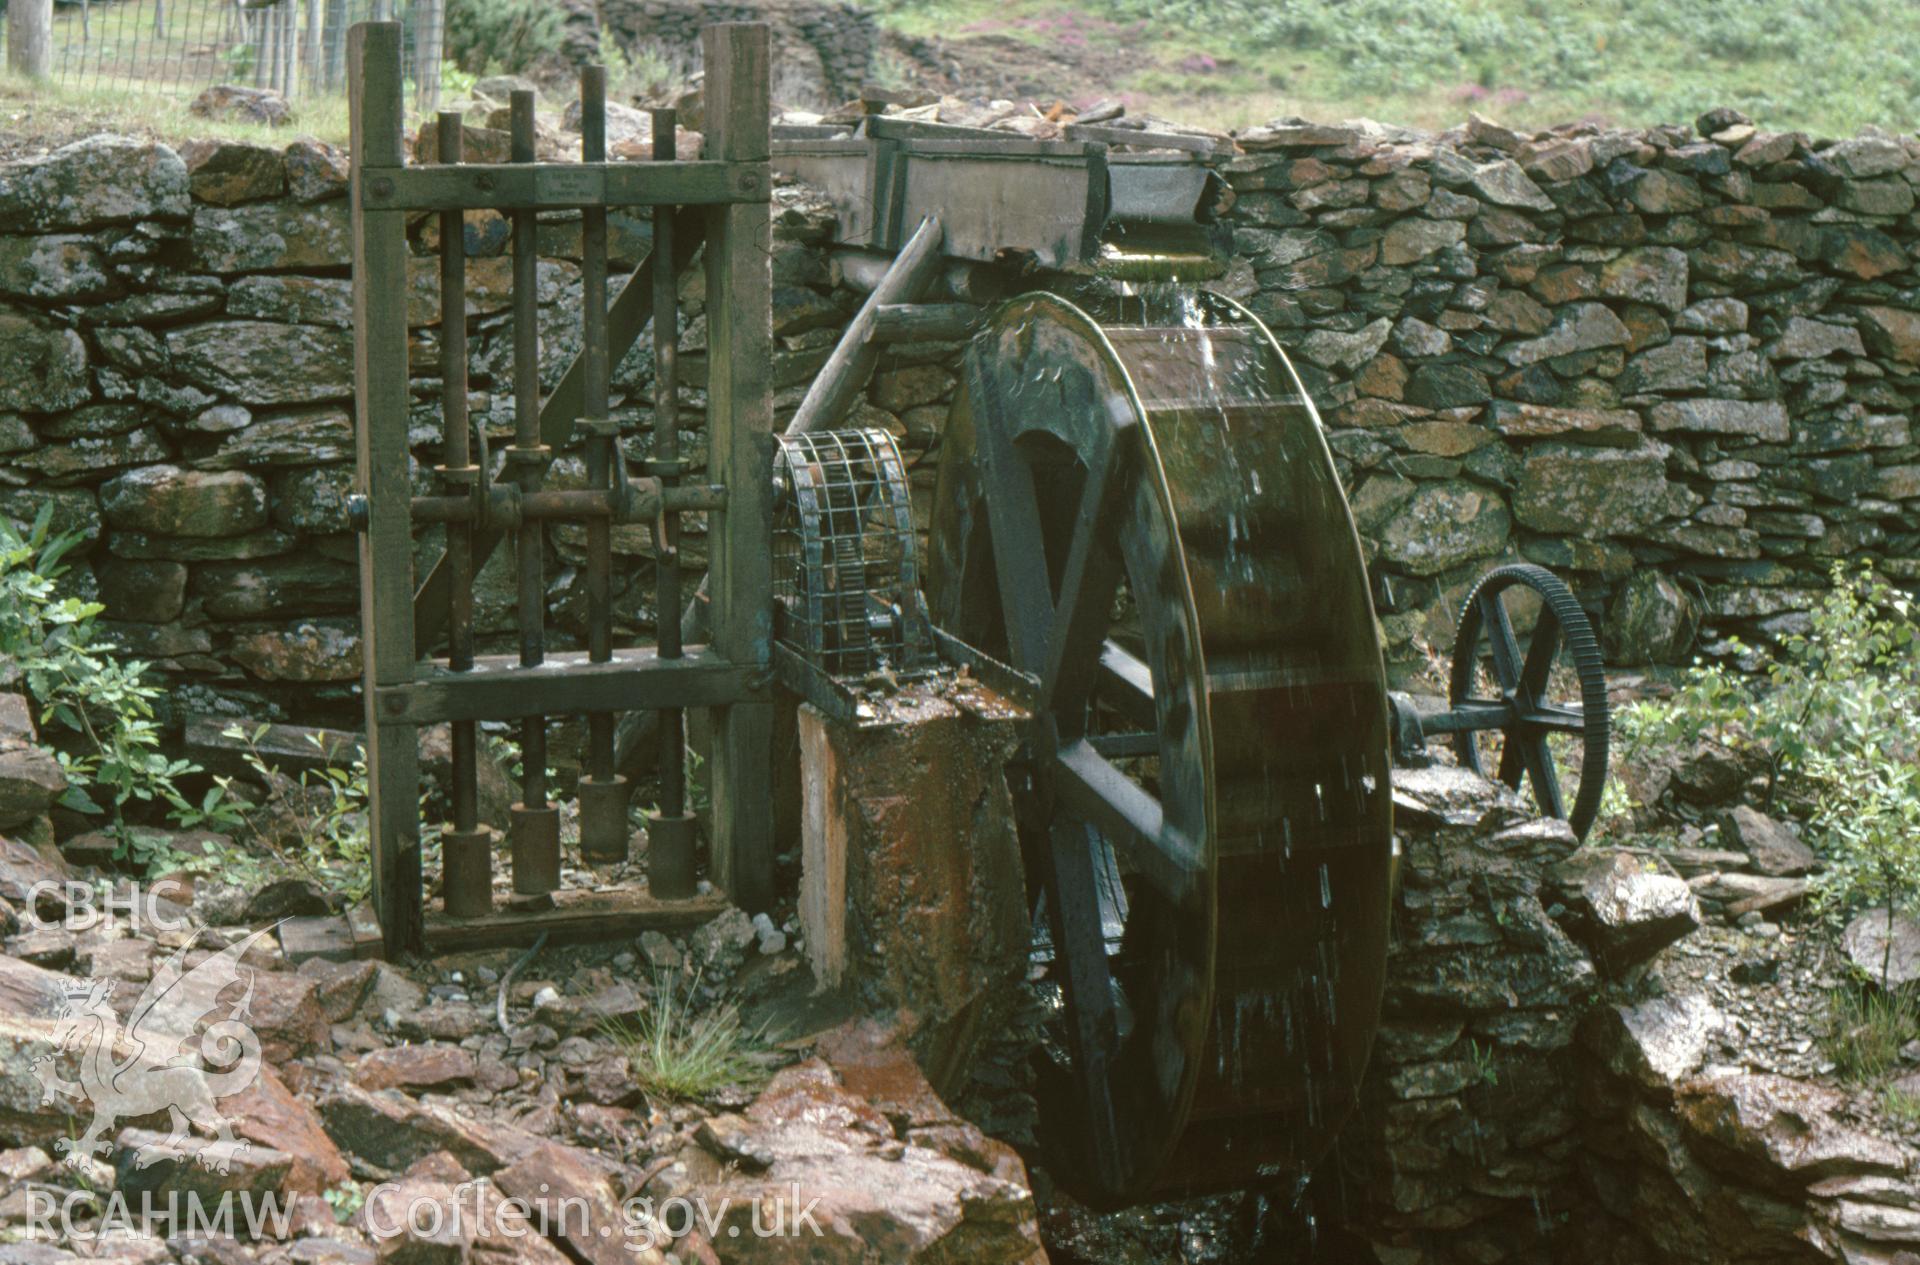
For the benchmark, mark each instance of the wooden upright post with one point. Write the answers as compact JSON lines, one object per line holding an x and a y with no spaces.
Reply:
{"x":386,"y":547}
{"x":30,"y":38}
{"x":740,"y":455}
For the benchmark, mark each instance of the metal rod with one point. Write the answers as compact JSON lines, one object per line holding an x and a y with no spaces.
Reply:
{"x":466,"y":849}
{"x":604,"y":832}
{"x":457,"y":463}
{"x":593,"y":148}
{"x":571,"y":503}
{"x":666,"y":449}
{"x":530,"y":539}
{"x":533,"y":826}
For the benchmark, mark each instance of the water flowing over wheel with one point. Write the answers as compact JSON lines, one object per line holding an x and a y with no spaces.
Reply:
{"x":1512,"y":723}
{"x":1145,"y":516}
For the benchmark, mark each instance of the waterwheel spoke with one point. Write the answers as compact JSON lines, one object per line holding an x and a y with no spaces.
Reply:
{"x":1557,"y":717}
{"x":1126,"y":685}
{"x":1512,"y":762}
{"x":1540,"y":651}
{"x":1502,"y":645}
{"x":1087,"y":584}
{"x":1541,"y":773}
{"x":1088,"y":786}
{"x":1080,"y":961}
{"x":1020,"y":564}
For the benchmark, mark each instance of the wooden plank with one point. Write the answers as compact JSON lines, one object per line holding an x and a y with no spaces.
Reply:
{"x":381,"y":403}
{"x":833,"y":391}
{"x":740,"y":456}
{"x":498,"y":687}
{"x":631,"y":310}
{"x":291,"y":749}
{"x":553,"y":186}
{"x":577,"y":916}
{"x":823,"y":852}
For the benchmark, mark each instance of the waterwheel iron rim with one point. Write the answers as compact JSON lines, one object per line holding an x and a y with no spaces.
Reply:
{"x":1527,"y":715}
{"x":1179,"y":921}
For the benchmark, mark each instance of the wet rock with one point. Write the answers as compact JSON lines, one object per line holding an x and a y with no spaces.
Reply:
{"x":147,"y":1163}
{"x":1651,"y":621}
{"x":65,"y":268}
{"x":1648,"y":274}
{"x":413,"y":1067}
{"x":1443,"y":525}
{"x":1882,"y":948}
{"x":100,"y":180}
{"x":316,"y":171}
{"x":1580,"y":327}
{"x":30,"y":779}
{"x":1772,"y":846}
{"x":312,"y":650}
{"x":720,"y":946}
{"x":225,"y":172}
{"x":1571,"y":488}
{"x":43,"y":367}
{"x":1658,"y":1042}
{"x":587,"y":1209}
{"x":271,"y":1115}
{"x":170,"y":501}
{"x":149,"y":591}
{"x":1624,"y":907}
{"x":821,"y":1150}
{"x":1711,"y":773}
{"x":393,"y":1131}
{"x":259,"y":362}
{"x":1773,"y":1129}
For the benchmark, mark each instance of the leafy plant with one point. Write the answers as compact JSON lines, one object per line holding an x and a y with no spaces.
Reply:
{"x":1835,"y":716}
{"x":101,"y":700}
{"x":316,"y":823}
{"x":510,"y":36}
{"x":345,"y":1200}
{"x":1484,"y":1071}
{"x":677,"y":1051}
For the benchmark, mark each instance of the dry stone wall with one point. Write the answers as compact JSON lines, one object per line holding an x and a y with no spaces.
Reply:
{"x":1677,"y":365}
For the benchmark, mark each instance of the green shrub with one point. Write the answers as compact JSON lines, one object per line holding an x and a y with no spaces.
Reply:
{"x":95,"y":697}
{"x":502,"y":36}
{"x":1837,"y":717}
{"x":316,"y":823}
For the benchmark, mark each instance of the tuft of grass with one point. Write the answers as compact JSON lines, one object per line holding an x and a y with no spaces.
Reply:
{"x":1868,"y":1028}
{"x":676,"y":1050}
{"x":1900,"y":1106}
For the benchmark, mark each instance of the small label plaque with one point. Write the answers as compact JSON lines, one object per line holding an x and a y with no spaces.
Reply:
{"x":563,"y":184}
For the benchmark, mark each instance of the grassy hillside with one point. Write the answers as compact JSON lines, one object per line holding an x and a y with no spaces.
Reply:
{"x":1824,"y":66}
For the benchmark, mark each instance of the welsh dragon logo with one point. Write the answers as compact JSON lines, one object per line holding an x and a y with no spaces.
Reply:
{"x":158,"y":1062}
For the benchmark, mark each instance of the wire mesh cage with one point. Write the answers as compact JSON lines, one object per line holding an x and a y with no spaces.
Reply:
{"x":844,"y":570}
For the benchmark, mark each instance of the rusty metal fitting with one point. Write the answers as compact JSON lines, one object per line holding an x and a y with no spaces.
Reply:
{"x":534,"y":836}
{"x":671,"y":844}
{"x":466,"y":871}
{"x":604,"y":832}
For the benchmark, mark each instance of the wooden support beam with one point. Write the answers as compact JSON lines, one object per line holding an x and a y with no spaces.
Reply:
{"x":632,"y":309}
{"x":846,"y":372}
{"x":568,"y":684}
{"x":740,"y":455}
{"x":546,"y":186}
{"x":381,"y":404}
{"x":577,"y":916}
{"x":926,"y":322}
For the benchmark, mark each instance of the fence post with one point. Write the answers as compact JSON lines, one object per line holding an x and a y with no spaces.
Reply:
{"x":30,"y":37}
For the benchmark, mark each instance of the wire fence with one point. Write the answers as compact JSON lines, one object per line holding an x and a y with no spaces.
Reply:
{"x":294,"y":48}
